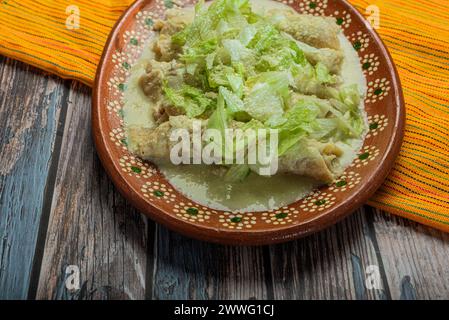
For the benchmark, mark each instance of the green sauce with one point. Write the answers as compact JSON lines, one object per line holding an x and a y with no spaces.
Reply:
{"x":205,"y":185}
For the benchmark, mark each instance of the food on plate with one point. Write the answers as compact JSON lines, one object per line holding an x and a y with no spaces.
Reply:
{"x":248,"y":65}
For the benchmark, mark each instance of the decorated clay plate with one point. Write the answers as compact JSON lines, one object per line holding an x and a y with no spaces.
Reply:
{"x":148,"y":190}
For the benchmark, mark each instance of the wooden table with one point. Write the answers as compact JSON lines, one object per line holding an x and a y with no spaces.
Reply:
{"x":58,"y":208}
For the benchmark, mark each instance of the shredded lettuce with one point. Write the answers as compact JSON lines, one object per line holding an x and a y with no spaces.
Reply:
{"x":299,"y":121}
{"x":218,"y":76}
{"x":199,"y":53}
{"x":262,"y":103}
{"x":265,"y":36}
{"x":219,"y":118}
{"x":253,"y":70}
{"x":208,"y":19}
{"x":267,"y":95}
{"x":190,"y":99}
{"x":233,"y":102}
{"x":237,"y":52}
{"x":236,"y":83}
{"x":277,"y":81}
{"x":247,"y":34}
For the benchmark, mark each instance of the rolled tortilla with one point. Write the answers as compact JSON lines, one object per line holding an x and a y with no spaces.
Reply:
{"x":318,"y":32}
{"x":330,"y":58}
{"x":308,"y":158}
{"x":154,"y":143}
{"x":312,"y":159}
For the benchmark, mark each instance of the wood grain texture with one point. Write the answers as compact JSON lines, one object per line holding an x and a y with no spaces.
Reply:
{"x":328,"y":265}
{"x":192,"y":269}
{"x":93,"y":227}
{"x":90,"y":225}
{"x":30,"y":105}
{"x":415,"y":258}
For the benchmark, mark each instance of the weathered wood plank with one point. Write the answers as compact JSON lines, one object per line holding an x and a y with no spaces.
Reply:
{"x":416,"y":258}
{"x":191,"y":269}
{"x":331,"y":264}
{"x":30,"y":105}
{"x":91,"y":226}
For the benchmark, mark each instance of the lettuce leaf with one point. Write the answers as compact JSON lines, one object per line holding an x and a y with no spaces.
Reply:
{"x":247,"y":34}
{"x":207,"y":19}
{"x":237,"y":52}
{"x":200,"y":52}
{"x":299,"y":122}
{"x":218,"y":76}
{"x":235,"y":105}
{"x":277,"y":81}
{"x":262,"y":103}
{"x":268,"y":93}
{"x":219,"y":118}
{"x":236,"y":83}
{"x":226,"y":76}
{"x":190,"y":99}
{"x":233,"y":102}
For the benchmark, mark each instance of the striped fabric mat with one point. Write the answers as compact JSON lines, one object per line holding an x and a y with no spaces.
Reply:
{"x":35,"y":31}
{"x":415,"y":31}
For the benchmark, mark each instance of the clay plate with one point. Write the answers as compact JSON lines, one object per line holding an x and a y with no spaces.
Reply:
{"x":147,"y":189}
